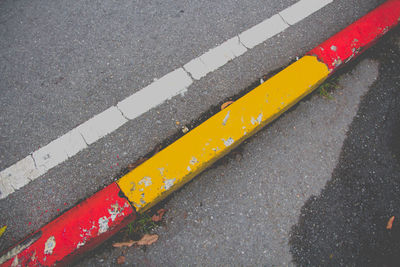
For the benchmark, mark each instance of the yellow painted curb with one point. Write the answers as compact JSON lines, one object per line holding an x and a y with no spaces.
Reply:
{"x":177,"y":164}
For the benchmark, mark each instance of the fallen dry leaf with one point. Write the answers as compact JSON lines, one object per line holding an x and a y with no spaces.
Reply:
{"x":121,"y":260}
{"x":136,"y":163}
{"x":158,"y":217}
{"x":226,"y":104}
{"x":124,"y":244}
{"x":390,"y":223}
{"x":147,"y":240}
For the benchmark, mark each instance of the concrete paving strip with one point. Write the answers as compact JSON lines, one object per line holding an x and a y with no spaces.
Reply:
{"x":149,"y":97}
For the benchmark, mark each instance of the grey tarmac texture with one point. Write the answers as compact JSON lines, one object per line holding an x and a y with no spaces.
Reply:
{"x":63,"y":62}
{"x":49,"y":110}
{"x":345,"y":225}
{"x":241,"y":211}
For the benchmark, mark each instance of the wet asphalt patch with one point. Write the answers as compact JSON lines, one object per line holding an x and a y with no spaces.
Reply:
{"x":346,"y":224}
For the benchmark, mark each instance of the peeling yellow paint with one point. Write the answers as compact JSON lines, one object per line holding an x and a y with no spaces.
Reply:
{"x":146,"y":181}
{"x":221,"y":133}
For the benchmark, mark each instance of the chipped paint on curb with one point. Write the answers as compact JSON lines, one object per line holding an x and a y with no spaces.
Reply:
{"x":215,"y":137}
{"x":357,"y":37}
{"x":83,"y":227}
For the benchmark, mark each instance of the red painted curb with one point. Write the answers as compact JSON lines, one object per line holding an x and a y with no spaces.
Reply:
{"x":357,"y":37}
{"x":76,"y":231}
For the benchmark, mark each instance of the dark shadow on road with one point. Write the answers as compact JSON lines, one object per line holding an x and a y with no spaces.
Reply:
{"x":346,"y":224}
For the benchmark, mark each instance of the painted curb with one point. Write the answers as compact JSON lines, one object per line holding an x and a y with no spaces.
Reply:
{"x":177,"y":164}
{"x":76,"y":231}
{"x":94,"y":220}
{"x":357,"y":37}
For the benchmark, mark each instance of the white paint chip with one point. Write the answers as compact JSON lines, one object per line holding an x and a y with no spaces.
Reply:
{"x":259,"y":118}
{"x":302,"y":9}
{"x":156,"y":93}
{"x":101,"y":125}
{"x":146,"y":181}
{"x":262,"y":31}
{"x":226,"y":118}
{"x":228,"y":142}
{"x":49,"y":245}
{"x":193,"y":161}
{"x":103,"y":225}
{"x":168,"y":183}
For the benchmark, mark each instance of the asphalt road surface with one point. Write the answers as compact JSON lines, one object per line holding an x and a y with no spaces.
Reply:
{"x":61,"y":64}
{"x":345,"y":225}
{"x":316,"y":188}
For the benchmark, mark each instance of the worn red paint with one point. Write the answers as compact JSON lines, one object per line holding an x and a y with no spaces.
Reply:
{"x":357,"y":37}
{"x":76,"y":231}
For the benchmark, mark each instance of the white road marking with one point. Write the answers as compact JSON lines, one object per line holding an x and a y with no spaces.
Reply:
{"x":50,"y":155}
{"x":58,"y":150}
{"x":263,"y":31}
{"x":302,"y":9}
{"x":17,"y":175}
{"x":73,"y":142}
{"x":196,"y":68}
{"x":170,"y":85}
{"x":101,"y":125}
{"x":222,"y":54}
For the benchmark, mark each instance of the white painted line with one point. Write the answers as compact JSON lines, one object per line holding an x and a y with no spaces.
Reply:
{"x":101,"y":125}
{"x":172,"y":84}
{"x":302,"y":9}
{"x":17,"y":175}
{"x":263,"y":31}
{"x":196,"y":68}
{"x":235,"y":46}
{"x":73,"y":142}
{"x":60,"y":149}
{"x":215,"y":58}
{"x":222,"y":54}
{"x":5,"y":187}
{"x":49,"y":156}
